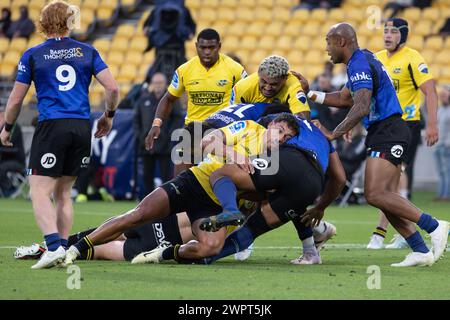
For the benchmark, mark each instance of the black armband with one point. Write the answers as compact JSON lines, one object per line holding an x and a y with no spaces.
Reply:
{"x":8,"y":126}
{"x":110,"y":113}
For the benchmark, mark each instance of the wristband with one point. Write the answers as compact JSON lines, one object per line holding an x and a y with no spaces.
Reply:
{"x":157,"y":122}
{"x":8,"y":126}
{"x":317,"y":96}
{"x":110,"y":113}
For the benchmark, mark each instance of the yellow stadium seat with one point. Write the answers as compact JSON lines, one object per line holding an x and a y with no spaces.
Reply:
{"x":337,"y":14}
{"x":285,"y":3}
{"x":127,"y":73}
{"x":355,"y":16}
{"x":447,"y":43}
{"x":442,"y":57}
{"x":257,"y":56}
{"x":247,"y":3}
{"x":96,"y":101}
{"x":423,"y":28}
{"x":274,"y":29}
{"x":266,"y":3}
{"x":77,"y":3}
{"x":428,"y":54}
{"x":102,"y":44}
{"x":318,"y":43}
{"x":104,"y":15}
{"x":125,"y":30}
{"x":231,"y":43}
{"x":445,"y":72}
{"x":110,"y":4}
{"x":435,"y":42}
{"x":138,"y":43}
{"x":115,"y":58}
{"x":301,"y":15}
{"x":313,"y":57}
{"x":4,"y":45}
{"x":11,"y":57}
{"x":90,"y":4}
{"x":248,"y":42}
{"x":375,"y":44}
{"x":211,"y":3}
{"x":431,"y":13}
{"x":39,"y":4}
{"x":311,"y":29}
{"x":302,"y":42}
{"x":226,"y":15}
{"x":415,"y":42}
{"x":207,"y":15}
{"x":220,"y":27}
{"x":35,"y":40}
{"x":134,"y":57}
{"x":282,"y":15}
{"x":263,"y":15}
{"x":244,"y":15}
{"x":15,"y":4}
{"x":236,"y":29}
{"x":295,"y":58}
{"x":230,"y":4}
{"x":148,"y":57}
{"x":15,"y":13}
{"x":142,"y":19}
{"x":243,"y":54}
{"x":255,"y":29}
{"x":7,"y":70}
{"x":292,"y":29}
{"x":114,"y":69}
{"x":284,"y":43}
{"x":193,"y":4}
{"x":119,"y":44}
{"x":319,"y":15}
{"x":362,"y":41}
{"x":412,"y":14}
{"x":267,"y":43}
{"x":129,"y":5}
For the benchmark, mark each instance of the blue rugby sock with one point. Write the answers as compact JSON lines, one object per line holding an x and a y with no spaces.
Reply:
{"x":427,"y":223}
{"x":236,"y":241}
{"x":415,"y":241}
{"x":65,"y":243}
{"x":225,"y":190}
{"x":52,"y":241}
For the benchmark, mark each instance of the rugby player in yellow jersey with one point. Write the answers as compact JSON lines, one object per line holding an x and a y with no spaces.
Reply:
{"x":272,"y":83}
{"x":207,"y":80}
{"x":191,"y":191}
{"x":411,"y":77}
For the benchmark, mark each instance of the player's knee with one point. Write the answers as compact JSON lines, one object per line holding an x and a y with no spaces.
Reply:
{"x":373,"y":197}
{"x":211,"y":246}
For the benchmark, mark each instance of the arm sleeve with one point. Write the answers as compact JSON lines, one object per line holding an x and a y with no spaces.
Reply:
{"x":360,"y":76}
{"x":24,"y":69}
{"x":176,"y":87}
{"x":97,"y":63}
{"x":297,"y":100}
{"x":235,"y":131}
{"x":420,"y":70}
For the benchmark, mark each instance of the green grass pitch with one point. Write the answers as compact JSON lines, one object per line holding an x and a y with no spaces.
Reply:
{"x":266,"y":275}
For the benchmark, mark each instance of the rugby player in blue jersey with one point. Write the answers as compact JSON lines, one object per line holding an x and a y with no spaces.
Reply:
{"x":61,"y":69}
{"x":371,"y":96}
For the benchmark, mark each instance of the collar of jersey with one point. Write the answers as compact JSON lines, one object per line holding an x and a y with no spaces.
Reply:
{"x":57,"y":39}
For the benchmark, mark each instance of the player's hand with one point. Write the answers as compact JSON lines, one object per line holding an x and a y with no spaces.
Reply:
{"x":5,"y":138}
{"x":431,"y":135}
{"x":328,"y":134}
{"x":104,"y":126}
{"x":303,"y":81}
{"x":247,"y":165}
{"x":348,"y":137}
{"x":152,"y":135}
{"x":312,"y":217}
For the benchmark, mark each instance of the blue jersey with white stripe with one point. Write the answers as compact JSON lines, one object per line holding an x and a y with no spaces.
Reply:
{"x":61,"y":69}
{"x":312,"y":141}
{"x":237,"y":112}
{"x":364,"y":70}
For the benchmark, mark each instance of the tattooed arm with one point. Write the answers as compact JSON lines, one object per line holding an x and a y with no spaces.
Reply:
{"x":360,"y":109}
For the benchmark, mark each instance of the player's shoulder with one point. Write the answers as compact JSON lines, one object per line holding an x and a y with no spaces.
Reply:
{"x":248,"y":82}
{"x":381,"y":55}
{"x":35,"y":48}
{"x":292,"y":81}
{"x":412,"y":54}
{"x":190,"y":65}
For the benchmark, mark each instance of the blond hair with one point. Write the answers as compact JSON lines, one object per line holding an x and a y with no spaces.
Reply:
{"x":56,"y":18}
{"x":274,"y":67}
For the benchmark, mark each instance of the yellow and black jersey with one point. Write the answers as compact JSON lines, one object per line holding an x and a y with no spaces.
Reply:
{"x":408,"y":72}
{"x":247,"y":91}
{"x":246,"y":138}
{"x":208,"y":90}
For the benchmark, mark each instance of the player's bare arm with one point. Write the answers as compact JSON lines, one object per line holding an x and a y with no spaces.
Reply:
{"x":108,"y":82}
{"x":338,"y":99}
{"x":432,"y":132}
{"x":162,"y":112}
{"x":13,"y":107}
{"x":360,"y":109}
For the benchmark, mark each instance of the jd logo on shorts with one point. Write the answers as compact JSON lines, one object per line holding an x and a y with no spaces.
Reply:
{"x":260,"y":164}
{"x":397,"y":151}
{"x":48,"y":160}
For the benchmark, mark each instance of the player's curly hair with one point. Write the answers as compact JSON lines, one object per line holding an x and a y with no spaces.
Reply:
{"x":57,"y":18}
{"x":274,"y":67}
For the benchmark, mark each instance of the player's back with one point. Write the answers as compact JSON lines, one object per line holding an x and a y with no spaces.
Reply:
{"x":61,"y":69}
{"x":235,"y":113}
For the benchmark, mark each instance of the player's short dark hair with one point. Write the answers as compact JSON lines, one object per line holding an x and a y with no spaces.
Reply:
{"x":208,"y":34}
{"x":290,"y":120}
{"x":274,"y":108}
